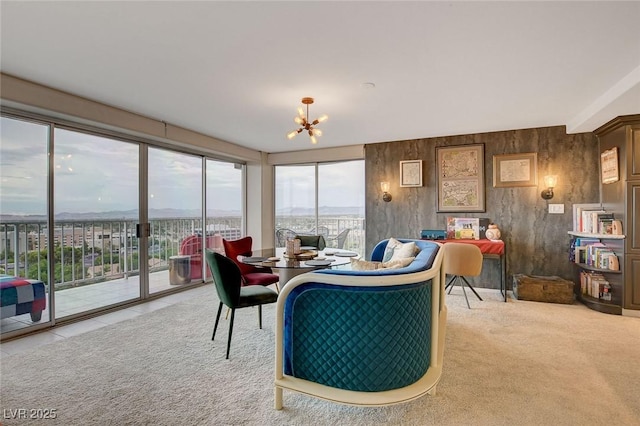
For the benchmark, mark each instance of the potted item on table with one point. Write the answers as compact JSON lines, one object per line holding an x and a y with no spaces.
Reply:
{"x":493,"y":232}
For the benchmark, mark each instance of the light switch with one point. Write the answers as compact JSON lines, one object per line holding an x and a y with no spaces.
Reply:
{"x":556,"y":208}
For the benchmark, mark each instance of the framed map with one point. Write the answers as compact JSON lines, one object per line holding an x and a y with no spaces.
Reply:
{"x":460,"y":178}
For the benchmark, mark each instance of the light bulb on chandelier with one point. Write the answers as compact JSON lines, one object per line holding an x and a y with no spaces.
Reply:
{"x":302,"y":118}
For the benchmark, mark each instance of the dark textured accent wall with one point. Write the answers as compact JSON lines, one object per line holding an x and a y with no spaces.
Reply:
{"x":537,"y":242}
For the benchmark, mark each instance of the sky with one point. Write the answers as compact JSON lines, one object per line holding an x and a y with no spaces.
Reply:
{"x":99,"y":174}
{"x":340,"y":185}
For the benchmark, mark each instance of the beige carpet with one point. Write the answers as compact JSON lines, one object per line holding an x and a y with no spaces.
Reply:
{"x":516,"y":363}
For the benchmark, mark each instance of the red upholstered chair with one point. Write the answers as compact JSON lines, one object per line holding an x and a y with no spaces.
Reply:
{"x":251,"y":275}
{"x":192,"y":246}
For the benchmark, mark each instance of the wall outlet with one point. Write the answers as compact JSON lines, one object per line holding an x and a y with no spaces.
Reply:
{"x":556,"y":208}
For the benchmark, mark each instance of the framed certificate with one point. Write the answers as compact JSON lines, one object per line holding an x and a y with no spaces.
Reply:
{"x":411,"y":173}
{"x":609,"y":165}
{"x":515,"y":170}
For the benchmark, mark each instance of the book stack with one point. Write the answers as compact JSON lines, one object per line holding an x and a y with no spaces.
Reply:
{"x":591,"y":252}
{"x":593,"y":220}
{"x":605,"y":223}
{"x":580,"y":248}
{"x":595,"y":285}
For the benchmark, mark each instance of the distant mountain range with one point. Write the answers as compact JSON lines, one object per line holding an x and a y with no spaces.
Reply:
{"x":178,"y":213}
{"x":322,"y":211}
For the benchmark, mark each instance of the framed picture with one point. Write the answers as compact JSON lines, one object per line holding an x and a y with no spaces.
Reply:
{"x":515,"y":170}
{"x":609,"y":165}
{"x":461,"y":178}
{"x":411,"y":173}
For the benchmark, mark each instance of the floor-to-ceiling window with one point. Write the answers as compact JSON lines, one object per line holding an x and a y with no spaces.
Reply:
{"x":175,"y":217}
{"x":322,"y":199}
{"x":96,"y":209}
{"x":225,"y":207}
{"x":115,"y":216}
{"x":24,"y":170}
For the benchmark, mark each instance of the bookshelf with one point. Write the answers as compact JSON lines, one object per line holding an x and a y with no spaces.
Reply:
{"x":620,"y":195}
{"x":598,"y":287}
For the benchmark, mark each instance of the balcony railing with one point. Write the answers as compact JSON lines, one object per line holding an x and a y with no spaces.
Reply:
{"x":90,"y":251}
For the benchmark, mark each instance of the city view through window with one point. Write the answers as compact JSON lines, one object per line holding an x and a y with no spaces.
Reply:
{"x":322,"y":199}
{"x":96,"y":209}
{"x":92,"y":257}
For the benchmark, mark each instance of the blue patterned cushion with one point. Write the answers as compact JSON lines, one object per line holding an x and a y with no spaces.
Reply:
{"x":358,"y":338}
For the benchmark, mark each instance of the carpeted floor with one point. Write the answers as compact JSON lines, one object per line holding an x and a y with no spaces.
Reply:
{"x":516,"y":363}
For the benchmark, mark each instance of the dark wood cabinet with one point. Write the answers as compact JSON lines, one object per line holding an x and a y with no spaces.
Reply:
{"x":622,"y":198}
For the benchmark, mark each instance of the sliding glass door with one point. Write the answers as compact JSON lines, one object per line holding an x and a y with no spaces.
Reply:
{"x":96,"y":211}
{"x":175,"y":217}
{"x":97,"y":221}
{"x":24,"y":265}
{"x":225,"y":206}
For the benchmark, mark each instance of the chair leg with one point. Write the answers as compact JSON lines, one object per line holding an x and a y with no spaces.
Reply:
{"x":465,"y":295}
{"x":260,"y":316}
{"x":452,"y":283}
{"x":453,"y":278}
{"x":233,"y":314}
{"x":215,"y":327}
{"x":472,"y":289}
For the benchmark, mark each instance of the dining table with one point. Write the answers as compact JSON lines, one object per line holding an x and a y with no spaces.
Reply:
{"x":310,"y":259}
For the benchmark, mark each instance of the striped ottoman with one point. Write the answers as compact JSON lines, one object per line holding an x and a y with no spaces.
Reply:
{"x":21,"y":296}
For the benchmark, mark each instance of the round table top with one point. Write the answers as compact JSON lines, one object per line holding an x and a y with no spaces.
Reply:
{"x":334,"y":256}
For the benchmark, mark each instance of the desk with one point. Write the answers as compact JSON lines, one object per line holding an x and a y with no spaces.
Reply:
{"x":289,"y":268}
{"x":490,"y":250}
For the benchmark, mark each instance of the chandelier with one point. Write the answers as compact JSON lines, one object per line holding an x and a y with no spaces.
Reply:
{"x":302,"y":120}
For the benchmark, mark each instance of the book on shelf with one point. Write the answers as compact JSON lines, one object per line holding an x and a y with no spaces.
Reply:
{"x":595,"y":254}
{"x":595,"y":285}
{"x":592,"y":219}
{"x":578,"y":218}
{"x":580,"y":254}
{"x":585,"y":241}
{"x":605,"y":226}
{"x":602,"y":222}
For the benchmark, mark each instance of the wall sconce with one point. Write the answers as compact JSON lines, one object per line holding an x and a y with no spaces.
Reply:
{"x":385,"y":191}
{"x":550,"y":181}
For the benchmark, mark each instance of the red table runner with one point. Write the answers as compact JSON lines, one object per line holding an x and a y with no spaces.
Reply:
{"x":486,"y":246}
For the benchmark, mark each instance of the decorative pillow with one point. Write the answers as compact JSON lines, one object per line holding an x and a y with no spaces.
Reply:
{"x":396,"y":250}
{"x":364,"y":265}
{"x":395,"y":264}
{"x":388,"y":251}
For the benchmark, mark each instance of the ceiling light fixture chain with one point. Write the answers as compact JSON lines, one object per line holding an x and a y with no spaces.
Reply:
{"x":303,"y":121}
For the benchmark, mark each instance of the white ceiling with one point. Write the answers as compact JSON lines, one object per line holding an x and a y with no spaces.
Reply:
{"x":237,"y":70}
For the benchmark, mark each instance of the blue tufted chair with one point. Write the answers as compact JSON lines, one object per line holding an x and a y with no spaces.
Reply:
{"x":363,"y":337}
